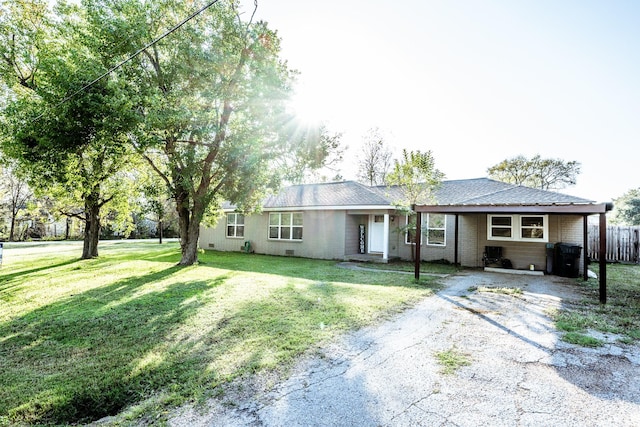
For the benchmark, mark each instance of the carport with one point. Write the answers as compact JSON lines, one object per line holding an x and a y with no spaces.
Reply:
{"x":583,"y":209}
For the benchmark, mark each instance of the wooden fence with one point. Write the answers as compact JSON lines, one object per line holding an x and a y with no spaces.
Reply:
{"x":623,"y":243}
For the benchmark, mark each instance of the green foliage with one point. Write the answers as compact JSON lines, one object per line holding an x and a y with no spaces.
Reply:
{"x":536,"y":172}
{"x":213,"y":98}
{"x":416,"y":176}
{"x":83,"y":339}
{"x":626,"y":209}
{"x":68,"y":138}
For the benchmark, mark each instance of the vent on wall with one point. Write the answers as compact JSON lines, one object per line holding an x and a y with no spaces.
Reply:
{"x":288,"y":252}
{"x":212,"y":245}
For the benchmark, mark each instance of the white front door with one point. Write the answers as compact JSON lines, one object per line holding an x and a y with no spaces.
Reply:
{"x":376,"y":233}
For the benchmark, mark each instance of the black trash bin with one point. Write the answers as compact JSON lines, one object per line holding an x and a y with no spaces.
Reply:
{"x":551,"y":253}
{"x":567,"y":260}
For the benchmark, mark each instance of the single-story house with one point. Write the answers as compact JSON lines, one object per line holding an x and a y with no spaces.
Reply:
{"x":348,"y":220}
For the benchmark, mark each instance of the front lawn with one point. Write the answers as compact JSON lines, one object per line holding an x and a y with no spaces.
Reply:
{"x":80,"y":340}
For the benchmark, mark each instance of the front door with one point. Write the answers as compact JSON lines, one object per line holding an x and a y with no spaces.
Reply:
{"x":376,"y":233}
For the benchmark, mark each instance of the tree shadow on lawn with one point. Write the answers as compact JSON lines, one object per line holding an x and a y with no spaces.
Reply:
{"x":308,"y":269}
{"x":79,"y":359}
{"x":6,"y":279}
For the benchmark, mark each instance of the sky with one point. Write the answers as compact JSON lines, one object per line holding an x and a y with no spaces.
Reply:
{"x":474,"y":81}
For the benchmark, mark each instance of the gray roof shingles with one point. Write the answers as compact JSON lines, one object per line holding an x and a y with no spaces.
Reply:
{"x":478,"y":191}
{"x":347,"y":193}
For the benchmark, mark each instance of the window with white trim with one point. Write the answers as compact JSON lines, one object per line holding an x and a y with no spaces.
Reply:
{"x":285,"y":226}
{"x":235,"y":225}
{"x":434,"y":229}
{"x":528,"y":228}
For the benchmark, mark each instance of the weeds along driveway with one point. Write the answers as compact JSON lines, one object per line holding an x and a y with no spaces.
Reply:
{"x":518,"y":371}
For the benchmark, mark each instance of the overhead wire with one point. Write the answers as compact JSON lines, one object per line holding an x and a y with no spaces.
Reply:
{"x":133,"y":55}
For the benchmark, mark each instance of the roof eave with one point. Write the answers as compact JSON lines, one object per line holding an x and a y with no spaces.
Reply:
{"x":570,"y":208}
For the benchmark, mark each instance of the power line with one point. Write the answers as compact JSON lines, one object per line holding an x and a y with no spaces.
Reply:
{"x":132,"y":56}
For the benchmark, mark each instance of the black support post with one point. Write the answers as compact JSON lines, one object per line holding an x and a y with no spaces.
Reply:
{"x":585,"y":248}
{"x":418,"y":238}
{"x":602,"y":256}
{"x":456,"y":261}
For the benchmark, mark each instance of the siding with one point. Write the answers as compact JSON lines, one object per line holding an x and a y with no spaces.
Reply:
{"x":398,"y":247}
{"x":322,"y":238}
{"x":473,"y":236}
{"x":334,"y":234}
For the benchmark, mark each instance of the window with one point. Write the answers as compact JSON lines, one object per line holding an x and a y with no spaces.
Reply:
{"x":500,"y":227}
{"x":285,"y":226}
{"x":434,"y":228}
{"x":235,"y":225}
{"x":532,"y":227}
{"x":518,"y":227}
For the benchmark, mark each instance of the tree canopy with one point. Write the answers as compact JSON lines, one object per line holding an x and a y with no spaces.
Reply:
{"x":63,"y":132}
{"x":198,"y":94}
{"x":626,"y":209}
{"x":213,"y":96}
{"x":536,"y":172}
{"x":416,"y":176}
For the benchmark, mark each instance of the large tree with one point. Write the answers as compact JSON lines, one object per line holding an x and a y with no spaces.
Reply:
{"x":374,"y":160}
{"x":213,"y":94}
{"x":536,"y":172}
{"x":64,"y":128}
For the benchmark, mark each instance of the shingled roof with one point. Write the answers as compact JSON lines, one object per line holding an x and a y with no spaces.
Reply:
{"x":465,"y":192}
{"x":484,"y":191}
{"x":346,"y":193}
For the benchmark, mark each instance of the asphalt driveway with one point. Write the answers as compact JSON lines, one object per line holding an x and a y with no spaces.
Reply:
{"x":520,"y":372}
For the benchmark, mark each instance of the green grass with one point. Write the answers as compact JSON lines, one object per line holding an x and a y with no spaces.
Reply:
{"x":451,"y":360}
{"x":84,"y":339}
{"x":620,"y":315}
{"x":425,"y":267}
{"x":582,"y":339}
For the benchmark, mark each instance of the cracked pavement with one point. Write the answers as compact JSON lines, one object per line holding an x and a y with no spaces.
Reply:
{"x":521,"y":373}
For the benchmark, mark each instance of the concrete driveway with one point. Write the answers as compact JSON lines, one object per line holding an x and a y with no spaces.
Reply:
{"x":520,"y":373}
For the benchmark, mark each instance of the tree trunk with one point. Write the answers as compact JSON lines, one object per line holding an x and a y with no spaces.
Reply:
{"x":190,"y":231}
{"x":12,"y":231}
{"x":190,"y":251}
{"x":182,"y":208}
{"x":160,"y":231}
{"x":92,"y":230}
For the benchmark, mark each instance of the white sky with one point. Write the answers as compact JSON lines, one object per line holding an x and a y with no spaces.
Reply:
{"x":474,"y":81}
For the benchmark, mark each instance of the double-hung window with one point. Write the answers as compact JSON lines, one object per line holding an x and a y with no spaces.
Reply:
{"x":285,"y":226}
{"x":434,"y":230}
{"x":235,"y":225}
{"x":529,"y":228}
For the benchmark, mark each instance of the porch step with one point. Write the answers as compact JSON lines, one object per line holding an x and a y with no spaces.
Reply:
{"x":514,"y":271}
